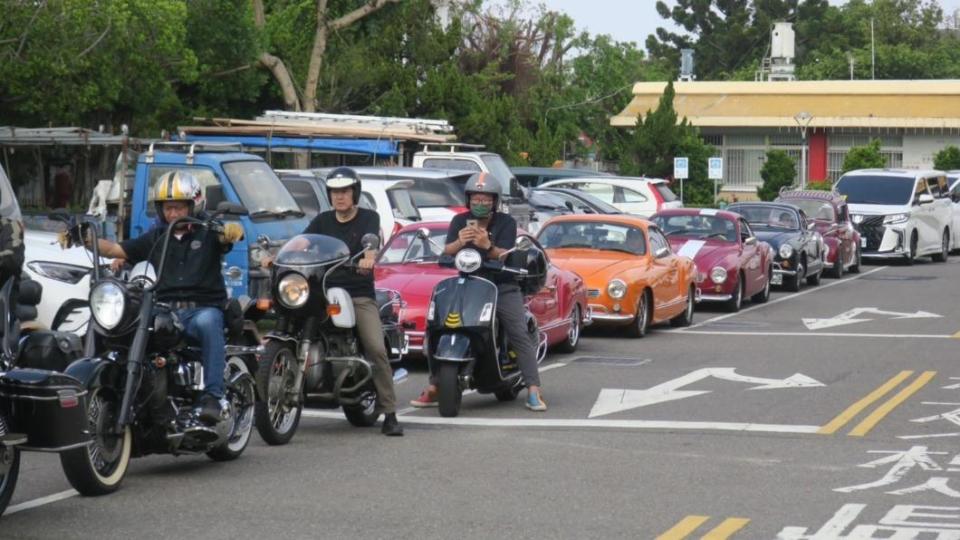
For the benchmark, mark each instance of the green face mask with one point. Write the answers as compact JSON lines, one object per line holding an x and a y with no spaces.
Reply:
{"x":480,"y":211}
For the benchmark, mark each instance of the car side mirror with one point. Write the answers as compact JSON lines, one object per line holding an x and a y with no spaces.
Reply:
{"x":811,"y":226}
{"x":750,"y":241}
{"x":423,"y":233}
{"x":925,"y":198}
{"x":370,"y":241}
{"x":523,"y":243}
{"x":661,"y":252}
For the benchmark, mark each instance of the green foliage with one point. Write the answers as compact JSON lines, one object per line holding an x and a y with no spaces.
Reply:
{"x":821,"y":185}
{"x":947,"y":159}
{"x":779,"y":170}
{"x":657,"y":139}
{"x":864,"y":157}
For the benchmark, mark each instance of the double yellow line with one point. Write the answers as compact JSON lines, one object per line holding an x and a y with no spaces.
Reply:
{"x":883,"y":410}
{"x":687,"y":525}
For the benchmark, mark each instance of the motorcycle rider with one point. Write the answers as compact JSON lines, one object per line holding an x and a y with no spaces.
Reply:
{"x":492,"y":233}
{"x":191,"y":282}
{"x":350,"y":223}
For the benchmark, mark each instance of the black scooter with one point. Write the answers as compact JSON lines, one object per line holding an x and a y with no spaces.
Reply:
{"x":464,"y":346}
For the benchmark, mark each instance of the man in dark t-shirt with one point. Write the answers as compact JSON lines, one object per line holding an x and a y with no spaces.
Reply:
{"x":349,"y":222}
{"x":191,"y":281}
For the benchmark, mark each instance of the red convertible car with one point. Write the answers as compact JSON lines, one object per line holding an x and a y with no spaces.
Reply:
{"x":831,"y":218}
{"x":731,"y":263}
{"x":408,"y":265}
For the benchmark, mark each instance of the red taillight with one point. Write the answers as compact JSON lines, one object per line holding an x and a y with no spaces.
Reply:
{"x":657,"y":196}
{"x":68,"y":399}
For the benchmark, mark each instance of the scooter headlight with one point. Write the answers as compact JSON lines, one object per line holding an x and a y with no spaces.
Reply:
{"x":107,"y":303}
{"x":293,"y":290}
{"x":468,"y":261}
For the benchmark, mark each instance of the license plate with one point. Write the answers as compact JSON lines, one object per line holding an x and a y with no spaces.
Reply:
{"x":863,"y":242}
{"x":776,"y":279}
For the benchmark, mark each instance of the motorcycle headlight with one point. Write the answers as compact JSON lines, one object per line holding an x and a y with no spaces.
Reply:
{"x":468,"y":261}
{"x":894,"y":219}
{"x":293,"y":290}
{"x":718,"y":274}
{"x":616,"y":289}
{"x":786,"y":250}
{"x":107,"y":302}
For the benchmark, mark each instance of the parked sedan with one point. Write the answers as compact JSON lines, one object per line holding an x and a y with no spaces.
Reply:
{"x":633,"y":277}
{"x":831,"y":217}
{"x":731,"y":262}
{"x":408,"y":264}
{"x":798,"y":247}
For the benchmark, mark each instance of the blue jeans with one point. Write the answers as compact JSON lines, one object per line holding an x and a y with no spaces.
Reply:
{"x":205,"y":326}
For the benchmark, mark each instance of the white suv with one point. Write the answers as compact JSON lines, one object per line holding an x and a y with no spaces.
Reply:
{"x":900,"y":213}
{"x":632,"y":195}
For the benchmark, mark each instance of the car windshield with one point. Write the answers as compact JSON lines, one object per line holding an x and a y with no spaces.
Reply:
{"x":876,"y":189}
{"x":698,"y":226}
{"x":407,"y":247}
{"x":402,"y":204}
{"x":819,"y":210}
{"x":593,"y":235}
{"x":260,"y":190}
{"x":590,"y":201}
{"x":540,"y":200}
{"x":439,"y":192}
{"x":768,"y":217}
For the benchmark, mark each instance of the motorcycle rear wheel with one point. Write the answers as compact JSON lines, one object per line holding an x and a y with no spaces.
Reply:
{"x":242,"y":394}
{"x":99,"y":468}
{"x":365,"y":413}
{"x":9,"y":471}
{"x":277,"y":417}
{"x":448,"y":384}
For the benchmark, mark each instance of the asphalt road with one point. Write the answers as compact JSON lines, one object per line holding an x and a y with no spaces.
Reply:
{"x":833,"y":413}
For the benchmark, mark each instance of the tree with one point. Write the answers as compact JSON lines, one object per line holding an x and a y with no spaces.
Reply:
{"x":658,"y":138}
{"x":947,"y":159}
{"x":779,"y":170}
{"x":864,"y":157}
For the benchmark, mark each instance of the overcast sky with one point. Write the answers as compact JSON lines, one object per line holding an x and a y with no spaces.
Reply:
{"x":634,"y":20}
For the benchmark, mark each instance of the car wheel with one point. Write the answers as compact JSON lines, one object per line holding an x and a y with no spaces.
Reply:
{"x":912,"y":254}
{"x":641,"y":323}
{"x":569,"y":345}
{"x":944,"y":248}
{"x":764,"y":295}
{"x":736,"y":300}
{"x":797,"y":281}
{"x":685,"y":318}
{"x":855,"y":268}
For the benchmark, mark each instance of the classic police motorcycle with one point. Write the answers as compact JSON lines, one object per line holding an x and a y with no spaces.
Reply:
{"x":314,"y":351}
{"x":465,"y":347}
{"x":137,"y":396}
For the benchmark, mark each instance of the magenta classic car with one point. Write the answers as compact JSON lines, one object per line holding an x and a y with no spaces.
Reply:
{"x":731,"y":263}
{"x":408,"y":265}
{"x":831,"y":218}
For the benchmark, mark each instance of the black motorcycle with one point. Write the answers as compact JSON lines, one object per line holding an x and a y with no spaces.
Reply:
{"x":138,"y":394}
{"x":39,"y":407}
{"x":464,"y":345}
{"x":314,"y":351}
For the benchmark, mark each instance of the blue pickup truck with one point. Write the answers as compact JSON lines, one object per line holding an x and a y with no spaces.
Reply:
{"x":226,"y":175}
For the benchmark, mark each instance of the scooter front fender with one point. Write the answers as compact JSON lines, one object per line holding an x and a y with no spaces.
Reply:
{"x":454,"y":347}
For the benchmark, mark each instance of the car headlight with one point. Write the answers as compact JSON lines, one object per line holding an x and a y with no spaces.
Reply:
{"x":67,"y":273}
{"x":894,"y":219}
{"x":107,"y":302}
{"x":786,"y":250}
{"x":718,"y":274}
{"x":468,"y":261}
{"x":616,"y":289}
{"x":293,"y":290}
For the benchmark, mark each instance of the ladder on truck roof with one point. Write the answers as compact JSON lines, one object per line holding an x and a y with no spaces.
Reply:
{"x":415,"y":125}
{"x":190,"y":148}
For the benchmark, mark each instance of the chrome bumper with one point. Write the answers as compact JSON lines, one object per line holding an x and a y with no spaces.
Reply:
{"x":714,"y":297}
{"x":600,"y":313}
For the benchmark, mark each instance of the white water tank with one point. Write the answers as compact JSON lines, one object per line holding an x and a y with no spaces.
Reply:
{"x":783,"y":41}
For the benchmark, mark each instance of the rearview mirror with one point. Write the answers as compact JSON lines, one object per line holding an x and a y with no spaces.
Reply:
{"x":524,"y":243}
{"x":370,"y":241}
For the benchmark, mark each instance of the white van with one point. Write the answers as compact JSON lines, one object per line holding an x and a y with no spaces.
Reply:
{"x":900,"y":213}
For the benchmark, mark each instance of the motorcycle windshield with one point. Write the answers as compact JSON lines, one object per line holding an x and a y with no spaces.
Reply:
{"x":311,"y":249}
{"x":464,"y":302}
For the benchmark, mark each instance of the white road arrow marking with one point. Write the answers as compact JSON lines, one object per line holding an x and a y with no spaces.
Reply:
{"x":613,"y":400}
{"x":849,"y":317}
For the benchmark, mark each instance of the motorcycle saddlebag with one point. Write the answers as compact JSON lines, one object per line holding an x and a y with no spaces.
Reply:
{"x":49,"y":407}
{"x":49,"y":350}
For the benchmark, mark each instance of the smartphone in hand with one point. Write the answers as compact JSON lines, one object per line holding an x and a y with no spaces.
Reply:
{"x":471,"y":223}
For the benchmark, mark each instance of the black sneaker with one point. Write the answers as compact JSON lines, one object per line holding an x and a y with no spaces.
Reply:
{"x":209,"y":410}
{"x":391,"y":428}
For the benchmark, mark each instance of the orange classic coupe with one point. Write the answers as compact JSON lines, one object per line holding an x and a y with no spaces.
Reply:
{"x":633,"y":277}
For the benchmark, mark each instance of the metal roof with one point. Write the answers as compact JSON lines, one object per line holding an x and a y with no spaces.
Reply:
{"x":18,"y":136}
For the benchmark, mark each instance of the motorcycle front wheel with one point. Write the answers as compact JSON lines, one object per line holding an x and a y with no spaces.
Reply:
{"x":9,"y":471}
{"x":99,"y":468}
{"x":448,"y":384}
{"x":277,"y":414}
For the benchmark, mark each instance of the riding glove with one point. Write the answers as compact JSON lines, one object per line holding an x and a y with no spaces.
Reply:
{"x":232,"y":232}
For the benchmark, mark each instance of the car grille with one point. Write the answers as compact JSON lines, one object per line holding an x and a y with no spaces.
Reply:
{"x":872,"y":229}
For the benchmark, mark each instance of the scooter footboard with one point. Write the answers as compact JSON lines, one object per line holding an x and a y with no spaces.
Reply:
{"x":454,"y":348}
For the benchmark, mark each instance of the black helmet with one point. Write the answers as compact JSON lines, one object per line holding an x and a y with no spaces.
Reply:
{"x":486,"y":183}
{"x":344,"y":177}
